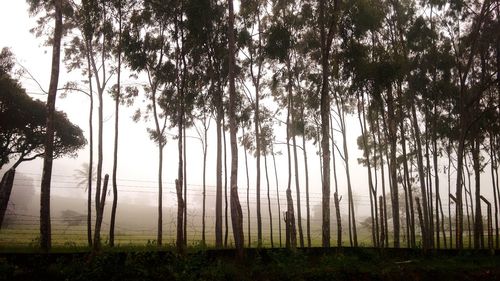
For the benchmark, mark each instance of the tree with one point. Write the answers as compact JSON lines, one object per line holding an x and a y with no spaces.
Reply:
{"x":236,"y":213}
{"x":145,"y":49}
{"x":57,"y":7}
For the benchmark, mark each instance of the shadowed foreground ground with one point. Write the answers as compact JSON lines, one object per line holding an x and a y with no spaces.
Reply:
{"x":310,"y":264}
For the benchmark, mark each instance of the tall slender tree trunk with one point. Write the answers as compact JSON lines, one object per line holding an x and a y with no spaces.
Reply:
{"x":45,"y":224}
{"x":226,"y":205}
{"x":382,"y":174}
{"x":257,"y":156}
{"x":236,"y":213}
{"x":179,"y":183}
{"x":348,"y":175}
{"x":248,"y":196}
{"x":91,"y":154}
{"x":291,"y":235}
{"x":493,"y":166}
{"x":308,"y":213}
{"x":478,"y":225}
{"x":408,"y":184}
{"x":99,"y":216}
{"x":277,"y":194}
{"x":336,"y":199}
{"x":391,"y":118}
{"x":269,"y":202}
{"x":372,"y":191}
{"x":297,"y":184}
{"x":205,"y":147}
{"x":420,"y":165}
{"x":115,"y":150}
{"x":326,"y":38}
{"x":218,"y":197}
{"x":185,"y":185}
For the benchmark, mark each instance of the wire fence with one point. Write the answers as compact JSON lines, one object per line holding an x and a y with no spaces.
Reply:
{"x":21,"y":228}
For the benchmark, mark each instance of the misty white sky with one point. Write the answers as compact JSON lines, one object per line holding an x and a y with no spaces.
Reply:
{"x":137,"y":168}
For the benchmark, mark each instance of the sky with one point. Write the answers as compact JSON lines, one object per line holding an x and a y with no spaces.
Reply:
{"x":137,"y":168}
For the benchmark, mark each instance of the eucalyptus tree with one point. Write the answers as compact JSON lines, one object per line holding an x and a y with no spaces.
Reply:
{"x":328,"y":14}
{"x":147,"y":49}
{"x":466,"y":46}
{"x":255,"y":23}
{"x":36,"y":7}
{"x":278,"y":51}
{"x":236,"y":213}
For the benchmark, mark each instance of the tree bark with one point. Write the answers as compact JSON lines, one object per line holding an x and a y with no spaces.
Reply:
{"x":308,"y":213}
{"x":478,"y":224}
{"x":391,"y":118}
{"x":248,"y":196}
{"x":179,"y":184}
{"x":277,"y":194}
{"x":5,"y":191}
{"x":297,"y":184}
{"x":99,"y":215}
{"x":218,"y":197}
{"x":236,"y":213}
{"x":420,"y":165}
{"x":91,"y":154}
{"x":115,"y":151}
{"x":269,"y":202}
{"x":45,"y":224}
{"x":226,"y":205}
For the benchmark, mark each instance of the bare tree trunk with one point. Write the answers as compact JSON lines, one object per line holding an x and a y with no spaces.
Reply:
{"x":420,"y":165}
{"x":382,"y":222}
{"x":277,"y":194}
{"x":442,"y":224}
{"x":449,"y":195}
{"x":336,"y":193}
{"x":352,"y":214}
{"x":185,"y":186}
{"x":436,"y":179}
{"x":327,"y":27}
{"x":257,"y":156}
{"x":291,"y":238}
{"x":45,"y":225}
{"x":393,"y":165}
{"x":160,"y":194}
{"x":115,"y":151}
{"x":468,"y":217}
{"x":179,"y":183}
{"x":408,"y":184}
{"x":269,"y":202}
{"x":297,"y":185}
{"x":99,"y":215}
{"x":205,"y":147}
{"x":478,"y":225}
{"x":382,"y":174}
{"x":493,"y":166}
{"x":226,"y":205}
{"x":248,"y":195}
{"x":308,"y":214}
{"x":372,"y":192}
{"x":218,"y":198}
{"x":91,"y":155}
{"x":422,"y":227}
{"x":236,"y":213}
{"x":5,"y":190}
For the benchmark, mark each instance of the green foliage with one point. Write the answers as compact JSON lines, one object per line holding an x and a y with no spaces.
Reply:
{"x":279,"y":42}
{"x":22,"y":126}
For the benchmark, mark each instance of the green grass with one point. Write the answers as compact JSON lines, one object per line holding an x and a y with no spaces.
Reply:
{"x":279,"y":264}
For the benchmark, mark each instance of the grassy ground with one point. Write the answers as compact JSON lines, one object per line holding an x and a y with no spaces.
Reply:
{"x":311,"y":264}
